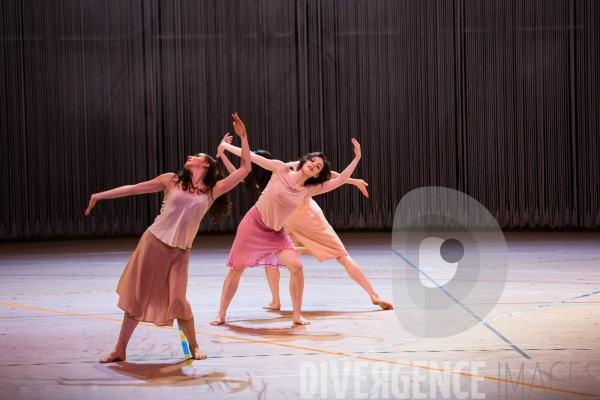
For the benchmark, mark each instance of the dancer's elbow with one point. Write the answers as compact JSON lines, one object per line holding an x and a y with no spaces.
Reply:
{"x":245,"y":170}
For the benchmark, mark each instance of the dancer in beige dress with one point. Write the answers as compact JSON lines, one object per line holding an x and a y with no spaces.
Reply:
{"x":309,"y":230}
{"x":153,"y":285}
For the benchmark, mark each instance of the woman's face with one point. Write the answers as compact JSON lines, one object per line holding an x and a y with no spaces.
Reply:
{"x":199,"y":160}
{"x":313,"y":166}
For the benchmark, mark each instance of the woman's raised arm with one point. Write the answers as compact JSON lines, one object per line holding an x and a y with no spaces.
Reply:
{"x":221,"y":154}
{"x":270,"y":164}
{"x":225,"y":185}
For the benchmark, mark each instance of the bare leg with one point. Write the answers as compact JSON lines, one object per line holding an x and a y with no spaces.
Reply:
{"x":359,"y":277}
{"x":230,"y":286}
{"x":291,"y":260}
{"x":273,"y":277}
{"x":187,"y":326}
{"x":119,"y":353}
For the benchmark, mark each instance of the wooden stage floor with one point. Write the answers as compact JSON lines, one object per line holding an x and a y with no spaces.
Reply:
{"x":58,"y":316}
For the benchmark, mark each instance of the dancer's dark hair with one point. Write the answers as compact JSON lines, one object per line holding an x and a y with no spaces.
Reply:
{"x":324,"y":174}
{"x":258,"y":178}
{"x":221,"y":207}
{"x":256,"y":181}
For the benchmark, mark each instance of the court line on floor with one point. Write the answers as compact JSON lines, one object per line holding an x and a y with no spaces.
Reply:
{"x":120,"y":320}
{"x":467,"y":309}
{"x":349,"y":309}
{"x":20,"y":296}
{"x":466,"y":374}
{"x":203,"y":264}
{"x":527,"y":310}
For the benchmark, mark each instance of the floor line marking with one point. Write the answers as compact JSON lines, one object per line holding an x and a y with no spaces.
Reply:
{"x":467,"y":309}
{"x":466,"y":374}
{"x":539,"y":307}
{"x":168,"y":328}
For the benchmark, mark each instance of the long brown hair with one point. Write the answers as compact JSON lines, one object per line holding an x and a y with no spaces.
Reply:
{"x":258,"y":178}
{"x":221,"y":206}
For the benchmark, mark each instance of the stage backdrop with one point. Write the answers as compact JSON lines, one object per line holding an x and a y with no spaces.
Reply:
{"x":496,"y":98}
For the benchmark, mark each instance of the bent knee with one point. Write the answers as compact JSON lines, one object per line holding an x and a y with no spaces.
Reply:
{"x":295,"y":267}
{"x":236,"y":272}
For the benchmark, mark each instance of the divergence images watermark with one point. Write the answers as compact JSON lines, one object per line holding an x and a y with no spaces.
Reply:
{"x":361,"y":379}
{"x":450,"y":262}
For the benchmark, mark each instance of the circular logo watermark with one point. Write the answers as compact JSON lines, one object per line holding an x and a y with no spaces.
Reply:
{"x":449,"y":262}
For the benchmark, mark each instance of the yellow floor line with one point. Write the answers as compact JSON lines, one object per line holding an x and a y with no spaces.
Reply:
{"x":466,"y":374}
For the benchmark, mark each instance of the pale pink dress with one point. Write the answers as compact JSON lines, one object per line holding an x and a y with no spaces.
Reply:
{"x":261,"y":235}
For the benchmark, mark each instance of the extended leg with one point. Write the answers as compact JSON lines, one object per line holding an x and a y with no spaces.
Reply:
{"x":359,"y":277}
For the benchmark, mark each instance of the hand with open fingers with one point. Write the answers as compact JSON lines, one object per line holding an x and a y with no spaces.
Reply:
{"x":356,"y":147}
{"x":226,"y":139}
{"x":362,"y":186}
{"x":93,"y":201}
{"x":238,"y":126}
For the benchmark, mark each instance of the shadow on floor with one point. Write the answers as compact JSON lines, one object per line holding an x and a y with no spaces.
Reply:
{"x":167,"y":374}
{"x":282,"y":329}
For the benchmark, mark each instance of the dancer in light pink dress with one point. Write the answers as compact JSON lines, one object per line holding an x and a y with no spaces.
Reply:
{"x":309,"y":230}
{"x":153,"y":285}
{"x":260,"y":235}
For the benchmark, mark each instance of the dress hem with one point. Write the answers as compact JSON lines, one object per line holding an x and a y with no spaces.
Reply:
{"x":256,"y":263}
{"x":141,"y":319}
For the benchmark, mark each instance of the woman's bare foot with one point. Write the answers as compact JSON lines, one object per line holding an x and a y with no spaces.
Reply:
{"x":302,"y":321}
{"x":113,"y":357}
{"x":217,"y":321}
{"x":382,"y":303}
{"x":273,"y":306}
{"x":198,"y":355}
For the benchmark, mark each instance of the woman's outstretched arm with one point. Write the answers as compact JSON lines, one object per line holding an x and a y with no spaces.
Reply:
{"x":155,"y":185}
{"x":342,"y":178}
{"x":225,"y":185}
{"x":270,"y":164}
{"x":359,"y":183}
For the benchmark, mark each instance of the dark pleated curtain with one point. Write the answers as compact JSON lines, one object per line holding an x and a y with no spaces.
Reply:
{"x":496,"y":98}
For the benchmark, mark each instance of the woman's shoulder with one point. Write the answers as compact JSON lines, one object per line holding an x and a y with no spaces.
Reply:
{"x":284,"y":172}
{"x":292,"y":165}
{"x":169,"y":179}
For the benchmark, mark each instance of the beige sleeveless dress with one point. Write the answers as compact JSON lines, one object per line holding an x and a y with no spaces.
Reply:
{"x":153,"y":285}
{"x":311,"y":233}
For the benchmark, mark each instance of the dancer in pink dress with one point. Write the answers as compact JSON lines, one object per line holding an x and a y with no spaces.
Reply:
{"x":153,"y":285}
{"x":308,"y":228}
{"x":260,"y":233}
